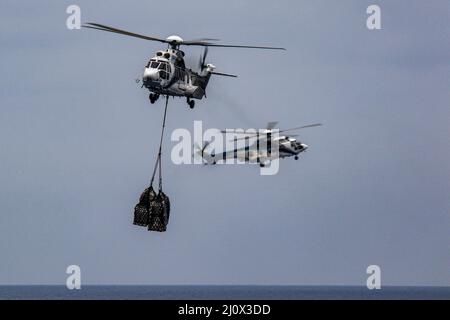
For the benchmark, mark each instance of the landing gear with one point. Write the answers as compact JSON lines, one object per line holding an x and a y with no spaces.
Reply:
{"x":296,"y":157}
{"x":262,"y":165}
{"x":191,"y":103}
{"x":153,"y":97}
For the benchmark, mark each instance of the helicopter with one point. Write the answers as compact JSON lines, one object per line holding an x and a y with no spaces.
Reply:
{"x":287,"y":145}
{"x":166,"y":72}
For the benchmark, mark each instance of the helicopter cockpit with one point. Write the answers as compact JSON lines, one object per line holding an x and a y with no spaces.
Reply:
{"x":163,"y":67}
{"x":297,"y":145}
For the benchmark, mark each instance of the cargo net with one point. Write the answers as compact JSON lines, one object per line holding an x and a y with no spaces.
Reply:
{"x":153,"y":210}
{"x":142,"y":209}
{"x":159,"y":213}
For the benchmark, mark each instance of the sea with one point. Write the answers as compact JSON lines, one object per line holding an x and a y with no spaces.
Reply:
{"x":217,"y":292}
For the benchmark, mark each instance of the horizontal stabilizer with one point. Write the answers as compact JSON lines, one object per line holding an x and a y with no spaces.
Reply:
{"x":224,"y":74}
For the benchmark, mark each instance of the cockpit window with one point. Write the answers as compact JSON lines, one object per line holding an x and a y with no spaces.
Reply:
{"x":150,"y":63}
{"x":162,"y":66}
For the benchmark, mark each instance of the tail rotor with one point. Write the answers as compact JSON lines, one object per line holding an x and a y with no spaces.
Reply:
{"x":202,"y":62}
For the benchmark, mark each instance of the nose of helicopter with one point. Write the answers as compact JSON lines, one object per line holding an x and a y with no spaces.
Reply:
{"x":304,"y":146}
{"x":150,"y":74}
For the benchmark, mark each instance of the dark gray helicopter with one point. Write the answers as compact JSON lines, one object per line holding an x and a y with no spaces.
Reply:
{"x":166,"y":73}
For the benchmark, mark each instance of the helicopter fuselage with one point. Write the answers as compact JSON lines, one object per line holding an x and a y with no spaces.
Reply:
{"x":166,"y":74}
{"x":281,"y":147}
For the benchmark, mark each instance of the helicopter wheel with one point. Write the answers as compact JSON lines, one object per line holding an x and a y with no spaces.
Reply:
{"x":296,"y":157}
{"x":191,"y":103}
{"x":153,"y":97}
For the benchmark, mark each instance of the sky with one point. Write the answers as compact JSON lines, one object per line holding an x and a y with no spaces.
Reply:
{"x":78,"y":139}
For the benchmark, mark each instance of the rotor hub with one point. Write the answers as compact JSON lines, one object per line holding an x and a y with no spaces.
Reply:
{"x":174,"y":40}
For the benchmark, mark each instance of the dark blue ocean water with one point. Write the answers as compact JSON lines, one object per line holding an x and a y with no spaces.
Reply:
{"x":221,"y":292}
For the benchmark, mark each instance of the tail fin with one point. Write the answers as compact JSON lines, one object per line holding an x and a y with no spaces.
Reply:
{"x":206,"y":157}
{"x":203,"y":79}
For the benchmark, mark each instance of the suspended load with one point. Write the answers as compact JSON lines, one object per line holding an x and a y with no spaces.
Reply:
{"x":142,"y":209}
{"x":153,"y":210}
{"x":159,"y":213}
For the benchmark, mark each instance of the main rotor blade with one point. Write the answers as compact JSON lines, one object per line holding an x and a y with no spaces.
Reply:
{"x":243,"y":138}
{"x":103,"y":27}
{"x":199,"y":42}
{"x":269,"y":132}
{"x":264,"y":136}
{"x":208,"y":44}
{"x":303,"y":127}
{"x":234,"y":131}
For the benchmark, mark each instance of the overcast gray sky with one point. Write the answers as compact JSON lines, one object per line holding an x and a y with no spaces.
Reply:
{"x":78,"y":139}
